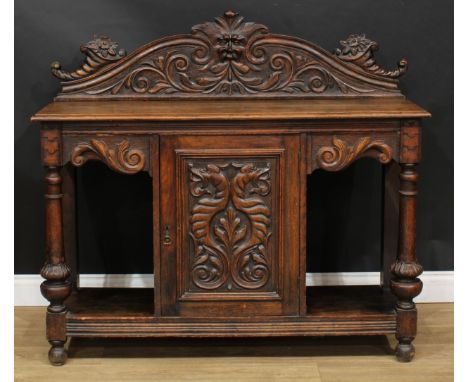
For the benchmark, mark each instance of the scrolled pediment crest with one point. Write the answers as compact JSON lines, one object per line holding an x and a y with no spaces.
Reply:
{"x":229,"y":57}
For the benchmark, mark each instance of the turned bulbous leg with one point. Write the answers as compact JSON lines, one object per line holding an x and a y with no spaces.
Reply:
{"x":56,"y":287}
{"x":405,"y":284}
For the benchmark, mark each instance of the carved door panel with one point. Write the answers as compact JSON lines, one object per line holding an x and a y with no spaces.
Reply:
{"x":229,"y":219}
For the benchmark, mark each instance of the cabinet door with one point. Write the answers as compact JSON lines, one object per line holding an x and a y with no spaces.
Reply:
{"x":229,"y":225}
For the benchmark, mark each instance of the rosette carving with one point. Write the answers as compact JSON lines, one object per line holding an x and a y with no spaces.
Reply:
{"x":340,"y":155}
{"x":360,"y":51}
{"x":99,"y":53}
{"x":121,"y":158}
{"x":230,"y":226}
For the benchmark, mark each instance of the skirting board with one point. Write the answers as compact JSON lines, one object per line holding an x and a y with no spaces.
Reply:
{"x":438,"y":286}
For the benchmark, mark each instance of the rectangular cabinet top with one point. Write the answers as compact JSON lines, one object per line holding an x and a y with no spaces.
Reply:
{"x":231,"y":110}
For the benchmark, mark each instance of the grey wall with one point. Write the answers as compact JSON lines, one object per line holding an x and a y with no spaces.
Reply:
{"x":347,"y":203}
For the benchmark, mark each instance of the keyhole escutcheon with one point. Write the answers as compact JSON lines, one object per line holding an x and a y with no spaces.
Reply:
{"x":167,"y":237}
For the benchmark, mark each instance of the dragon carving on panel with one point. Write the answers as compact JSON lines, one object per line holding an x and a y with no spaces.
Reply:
{"x":230,"y":225}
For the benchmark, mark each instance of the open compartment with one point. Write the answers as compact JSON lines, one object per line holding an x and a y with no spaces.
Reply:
{"x":114,"y":242}
{"x":345,"y":243}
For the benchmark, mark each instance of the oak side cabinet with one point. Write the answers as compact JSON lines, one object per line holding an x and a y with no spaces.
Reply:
{"x":229,"y":121}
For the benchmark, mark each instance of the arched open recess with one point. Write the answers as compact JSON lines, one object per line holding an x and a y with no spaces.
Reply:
{"x":344,"y":219}
{"x":114,"y":221}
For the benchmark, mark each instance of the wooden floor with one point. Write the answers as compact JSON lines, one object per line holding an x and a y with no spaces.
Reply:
{"x":296,"y":359}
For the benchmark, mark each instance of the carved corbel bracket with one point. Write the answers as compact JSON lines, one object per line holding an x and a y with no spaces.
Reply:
{"x":99,"y":53}
{"x":359,"y":50}
{"x":120,"y":158}
{"x":341,"y":154}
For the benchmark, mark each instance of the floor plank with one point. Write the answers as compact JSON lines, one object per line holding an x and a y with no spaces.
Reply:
{"x":287,"y":359}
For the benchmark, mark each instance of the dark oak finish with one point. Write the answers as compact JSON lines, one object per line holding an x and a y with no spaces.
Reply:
{"x":335,"y":311}
{"x":229,"y":121}
{"x":226,"y":58}
{"x":390,"y":210}
{"x":57,"y":287}
{"x":230,"y":110}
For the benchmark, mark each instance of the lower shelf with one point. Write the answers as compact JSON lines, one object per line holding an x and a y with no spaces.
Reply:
{"x":351,"y":310}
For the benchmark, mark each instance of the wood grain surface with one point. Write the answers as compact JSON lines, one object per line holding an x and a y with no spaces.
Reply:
{"x":229,"y":57}
{"x":230,"y":256}
{"x":333,"y":359}
{"x":253,"y":109}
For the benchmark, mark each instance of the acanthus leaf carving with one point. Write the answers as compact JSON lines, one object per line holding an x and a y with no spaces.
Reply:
{"x":55,"y":272}
{"x":230,"y":231}
{"x":359,"y":50}
{"x":406,"y":270}
{"x":234,"y":64}
{"x":209,"y":268}
{"x":340,"y":155}
{"x":122,"y":158}
{"x":251,"y":270}
{"x":231,"y":57}
{"x":98,"y":53}
{"x":230,"y":225}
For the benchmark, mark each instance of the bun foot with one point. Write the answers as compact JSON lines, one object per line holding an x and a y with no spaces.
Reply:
{"x":57,"y":353}
{"x":404,"y":352}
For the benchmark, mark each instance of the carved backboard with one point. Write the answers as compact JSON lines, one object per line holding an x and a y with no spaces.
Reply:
{"x":229,"y":57}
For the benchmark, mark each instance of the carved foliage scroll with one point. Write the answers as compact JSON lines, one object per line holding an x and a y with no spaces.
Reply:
{"x":341,"y":154}
{"x":231,"y":57}
{"x":119,"y":157}
{"x":230,"y":225}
